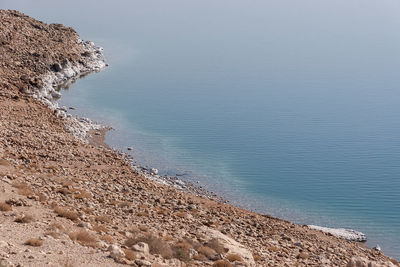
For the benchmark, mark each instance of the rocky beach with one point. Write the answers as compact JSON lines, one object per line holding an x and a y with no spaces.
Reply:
{"x":67,"y":199}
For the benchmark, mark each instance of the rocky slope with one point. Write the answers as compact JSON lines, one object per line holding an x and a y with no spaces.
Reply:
{"x":68,"y":202}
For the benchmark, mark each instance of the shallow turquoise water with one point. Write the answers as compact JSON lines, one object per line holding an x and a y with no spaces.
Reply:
{"x":284,"y":107}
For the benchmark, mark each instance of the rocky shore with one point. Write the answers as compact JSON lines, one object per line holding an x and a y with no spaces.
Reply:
{"x":67,"y":200}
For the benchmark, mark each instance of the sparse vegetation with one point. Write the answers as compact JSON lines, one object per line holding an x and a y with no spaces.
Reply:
{"x":102,"y":219}
{"x":24,"y":219}
{"x":34,"y":242}
{"x":233,"y":257}
{"x":84,"y":238}
{"x":5,"y":207}
{"x":156,"y":245}
{"x":23,"y":188}
{"x":216,"y":245}
{"x":206,"y":251}
{"x":222,"y":263}
{"x":129,"y":254}
{"x":69,"y":214}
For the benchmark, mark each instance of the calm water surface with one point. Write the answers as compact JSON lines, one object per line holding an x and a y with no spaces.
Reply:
{"x":287,"y":107}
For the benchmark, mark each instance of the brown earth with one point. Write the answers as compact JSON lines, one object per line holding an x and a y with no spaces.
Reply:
{"x":67,"y":203}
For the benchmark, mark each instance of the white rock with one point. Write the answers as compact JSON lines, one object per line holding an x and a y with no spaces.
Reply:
{"x":347,"y":234}
{"x":154,"y":171}
{"x":141,"y":247}
{"x":377,"y":248}
{"x":230,"y":244}
{"x":116,"y":252}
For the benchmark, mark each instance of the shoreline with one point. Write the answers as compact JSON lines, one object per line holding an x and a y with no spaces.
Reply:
{"x":47,"y":153}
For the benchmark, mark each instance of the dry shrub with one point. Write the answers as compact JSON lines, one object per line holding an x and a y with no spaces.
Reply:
{"x":129,"y":254}
{"x":256,"y":257}
{"x":82,"y":195}
{"x":156,"y":245}
{"x":100,"y":228}
{"x":142,"y":214}
{"x":180,"y":214}
{"x":114,"y":202}
{"x":233,"y":257}
{"x":206,"y":251}
{"x":222,"y":263}
{"x":107,"y":238}
{"x":182,"y":251}
{"x":102,"y":219}
{"x":64,"y":191}
{"x":273,"y":249}
{"x":216,"y":245}
{"x":125,"y":204}
{"x":143,"y":228}
{"x":5,"y":207}
{"x":42,"y":197}
{"x":23,"y":188}
{"x":200,"y":257}
{"x":53,"y":234}
{"x":24,"y":219}
{"x":69,"y":214}
{"x":88,"y":210}
{"x":142,"y":206}
{"x":84,"y":238}
{"x":34,"y":242}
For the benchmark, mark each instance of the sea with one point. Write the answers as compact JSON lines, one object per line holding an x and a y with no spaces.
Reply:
{"x":289,"y":108}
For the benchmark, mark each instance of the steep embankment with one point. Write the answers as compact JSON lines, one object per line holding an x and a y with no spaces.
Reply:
{"x":65,"y":202}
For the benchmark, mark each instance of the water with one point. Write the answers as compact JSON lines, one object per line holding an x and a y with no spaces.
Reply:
{"x":285,"y":107}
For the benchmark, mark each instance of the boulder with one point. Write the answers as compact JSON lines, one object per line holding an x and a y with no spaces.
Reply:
{"x":116,"y":252}
{"x":141,"y":247}
{"x":231,"y":245}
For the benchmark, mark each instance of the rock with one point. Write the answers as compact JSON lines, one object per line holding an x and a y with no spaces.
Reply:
{"x":377,"y":248}
{"x":154,"y":171}
{"x":3,"y":244}
{"x":141,"y":247}
{"x":55,"y":94}
{"x":230,"y":244}
{"x":129,"y":148}
{"x":116,"y":252}
{"x":56,"y":67}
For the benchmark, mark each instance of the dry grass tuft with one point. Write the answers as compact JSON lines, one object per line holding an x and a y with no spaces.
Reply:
{"x":34,"y":242}
{"x":182,"y":251}
{"x":156,"y":245}
{"x":84,"y":238}
{"x":233,"y":257}
{"x":102,"y":219}
{"x":222,"y":263}
{"x":100,"y":228}
{"x":69,"y":214}
{"x":5,"y":207}
{"x":216,"y":245}
{"x":107,"y":238}
{"x":129,"y":254}
{"x":23,"y":188}
{"x":24,"y":219}
{"x":273,"y":249}
{"x":142,"y":214}
{"x":200,"y":257}
{"x":206,"y":251}
{"x":82,"y":194}
{"x":256,"y":257}
{"x":65,"y":191}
